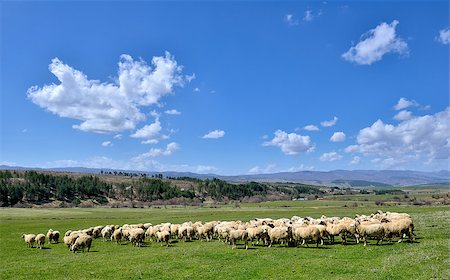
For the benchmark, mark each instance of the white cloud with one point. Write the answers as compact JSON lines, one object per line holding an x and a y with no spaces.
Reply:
{"x":109,"y":107}
{"x":196,"y":89}
{"x":107,"y":144}
{"x":270,"y":168}
{"x":118,"y":136}
{"x":154,"y":152}
{"x":404,"y":103}
{"x":376,"y":43}
{"x":403,"y":115}
{"x":189,"y":78}
{"x":302,"y":167}
{"x":215,"y":134}
{"x":172,"y":112}
{"x":332,"y":156}
{"x":309,"y":16}
{"x":149,"y":132}
{"x":420,"y":138}
{"x":291,"y":143}
{"x":311,"y":127}
{"x":290,"y":20}
{"x":355,"y":160}
{"x":444,"y":36}
{"x":329,"y":123}
{"x":338,"y":137}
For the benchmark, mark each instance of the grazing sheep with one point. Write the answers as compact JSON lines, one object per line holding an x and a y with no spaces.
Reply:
{"x":52,"y":235}
{"x":398,"y":227}
{"x":370,"y":229}
{"x":305,"y":233}
{"x":136,"y":236}
{"x":117,"y":235}
{"x":70,"y":239}
{"x":106,"y":232}
{"x":258,"y":233}
{"x":97,"y":231}
{"x":82,"y":242}
{"x":238,"y":234}
{"x":163,"y":236}
{"x":280,"y":234}
{"x":29,"y":239}
{"x":40,"y":240}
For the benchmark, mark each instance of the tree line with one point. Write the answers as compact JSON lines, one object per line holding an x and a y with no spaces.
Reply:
{"x":34,"y":187}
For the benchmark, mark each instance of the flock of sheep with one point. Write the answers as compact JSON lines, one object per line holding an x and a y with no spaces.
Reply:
{"x":295,"y":231}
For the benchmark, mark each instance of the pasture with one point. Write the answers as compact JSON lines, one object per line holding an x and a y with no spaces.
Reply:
{"x":427,"y":258}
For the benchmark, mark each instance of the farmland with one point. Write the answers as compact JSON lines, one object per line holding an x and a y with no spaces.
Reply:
{"x":427,"y":258}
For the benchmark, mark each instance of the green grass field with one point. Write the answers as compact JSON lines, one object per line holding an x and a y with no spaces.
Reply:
{"x":427,"y":258}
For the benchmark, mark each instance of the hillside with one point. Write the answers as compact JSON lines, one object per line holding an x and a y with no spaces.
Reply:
{"x":334,"y":177}
{"x":122,"y":189}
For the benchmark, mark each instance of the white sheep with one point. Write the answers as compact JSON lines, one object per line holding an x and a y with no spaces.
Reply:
{"x":370,"y":229}
{"x":280,"y":234}
{"x":40,"y":240}
{"x":163,"y":236}
{"x":305,"y":233}
{"x":117,"y":235}
{"x":238,"y":234}
{"x":52,"y":235}
{"x":136,"y":236}
{"x":82,"y":242}
{"x":29,"y":239}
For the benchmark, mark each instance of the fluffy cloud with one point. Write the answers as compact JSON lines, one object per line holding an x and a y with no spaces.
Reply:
{"x":311,"y":127}
{"x":270,"y":168}
{"x":355,"y":160}
{"x":290,"y":20}
{"x":420,"y":138}
{"x":107,"y":144}
{"x":172,"y":112}
{"x":109,"y":107}
{"x":154,"y":152}
{"x":290,"y":143}
{"x":404,"y":103}
{"x":403,"y":115}
{"x":149,"y":132}
{"x":308,"y":15}
{"x":329,"y":123}
{"x":332,"y":156}
{"x":338,"y":137}
{"x":215,"y":134}
{"x":444,"y":36}
{"x":118,"y":136}
{"x":375,"y":44}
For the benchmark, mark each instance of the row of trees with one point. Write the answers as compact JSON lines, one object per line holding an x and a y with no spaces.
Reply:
{"x":37,"y":188}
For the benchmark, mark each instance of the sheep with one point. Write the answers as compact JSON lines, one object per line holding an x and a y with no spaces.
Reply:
{"x":136,"y":236}
{"x":29,"y":239}
{"x":97,"y":231}
{"x":52,"y":235}
{"x":280,"y":234}
{"x":335,"y":230}
{"x":117,"y":235}
{"x":370,"y":229}
{"x":238,"y":234}
{"x":258,"y":233}
{"x":185,"y":232}
{"x":306,"y":233}
{"x":40,"y":240}
{"x":206,"y":231}
{"x":106,"y":232}
{"x":174,"y":229}
{"x":70,"y":239}
{"x":81,"y":242}
{"x":163,"y":236}
{"x":398,"y":227}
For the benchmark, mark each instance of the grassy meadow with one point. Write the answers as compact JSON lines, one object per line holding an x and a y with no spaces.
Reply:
{"x":427,"y":258}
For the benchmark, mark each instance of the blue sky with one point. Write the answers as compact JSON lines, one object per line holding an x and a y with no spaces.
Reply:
{"x":226,"y":88}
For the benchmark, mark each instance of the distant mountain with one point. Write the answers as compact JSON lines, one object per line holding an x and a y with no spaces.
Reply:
{"x":357,"y":178}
